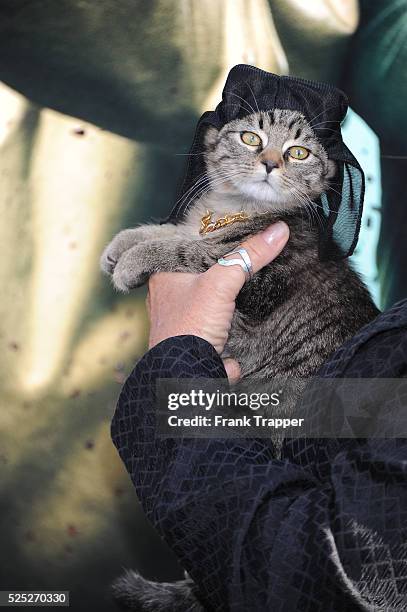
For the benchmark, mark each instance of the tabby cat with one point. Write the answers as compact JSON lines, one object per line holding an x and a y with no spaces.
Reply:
{"x":295,"y":312}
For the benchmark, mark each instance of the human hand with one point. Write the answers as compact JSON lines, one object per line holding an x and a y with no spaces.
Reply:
{"x":203,"y":304}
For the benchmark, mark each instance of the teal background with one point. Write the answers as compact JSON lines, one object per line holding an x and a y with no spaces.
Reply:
{"x":364,"y":143}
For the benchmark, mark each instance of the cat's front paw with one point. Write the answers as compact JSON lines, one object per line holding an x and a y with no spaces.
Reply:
{"x":130,"y":271}
{"x":122,"y":242}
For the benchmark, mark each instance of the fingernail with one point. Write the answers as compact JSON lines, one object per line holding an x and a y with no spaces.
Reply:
{"x":275,"y":232}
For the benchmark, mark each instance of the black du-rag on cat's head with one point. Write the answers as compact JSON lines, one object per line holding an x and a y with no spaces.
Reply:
{"x":324,"y":106}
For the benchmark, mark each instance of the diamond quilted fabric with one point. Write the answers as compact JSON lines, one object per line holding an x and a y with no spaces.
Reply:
{"x":322,"y":529}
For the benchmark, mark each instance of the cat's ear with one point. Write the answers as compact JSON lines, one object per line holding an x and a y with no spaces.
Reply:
{"x":211,"y":138}
{"x":331,"y":169}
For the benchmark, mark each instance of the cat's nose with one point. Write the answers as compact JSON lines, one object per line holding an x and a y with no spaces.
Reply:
{"x":270,"y":165}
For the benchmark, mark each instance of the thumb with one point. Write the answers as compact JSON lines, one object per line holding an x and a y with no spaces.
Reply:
{"x":262,"y":248}
{"x":232,"y":369}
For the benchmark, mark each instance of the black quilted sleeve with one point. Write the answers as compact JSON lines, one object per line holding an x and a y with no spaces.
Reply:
{"x":323,"y":529}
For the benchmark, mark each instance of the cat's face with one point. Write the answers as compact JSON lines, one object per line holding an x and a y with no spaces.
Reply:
{"x":273,"y":158}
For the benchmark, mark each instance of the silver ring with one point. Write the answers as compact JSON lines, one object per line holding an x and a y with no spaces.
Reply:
{"x":245,"y":262}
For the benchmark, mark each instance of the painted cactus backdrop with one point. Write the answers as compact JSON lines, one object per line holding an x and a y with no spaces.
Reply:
{"x":97,"y":100}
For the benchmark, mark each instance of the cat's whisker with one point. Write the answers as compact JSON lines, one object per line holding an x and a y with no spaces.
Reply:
{"x":209,"y":185}
{"x":204,"y":177}
{"x":206,"y":189}
{"x":319,"y":114}
{"x":323,"y":122}
{"x":220,"y":179}
{"x":254,"y":97}
{"x":293,"y":190}
{"x":198,"y":180}
{"x":191,"y":154}
{"x":312,"y":217}
{"x":317,"y":109}
{"x":193,"y":186}
{"x":393,"y":156}
{"x":316,"y":205}
{"x":313,"y":210}
{"x":195,"y":190}
{"x":311,"y":206}
{"x":303,"y":200}
{"x":334,"y":190}
{"x":308,"y":212}
{"x":332,"y":182}
{"x":317,"y":129}
{"x":252,"y":110}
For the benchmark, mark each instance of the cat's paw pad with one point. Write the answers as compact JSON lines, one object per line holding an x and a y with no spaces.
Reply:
{"x":128,"y":274}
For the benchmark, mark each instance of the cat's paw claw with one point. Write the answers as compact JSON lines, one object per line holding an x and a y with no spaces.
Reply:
{"x":122,"y":242}
{"x":107,"y":262}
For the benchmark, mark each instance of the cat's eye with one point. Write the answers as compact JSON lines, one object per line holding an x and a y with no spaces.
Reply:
{"x":251,"y":139}
{"x":298,"y":152}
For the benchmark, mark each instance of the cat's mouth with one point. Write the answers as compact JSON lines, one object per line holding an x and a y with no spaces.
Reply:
{"x":270,"y":181}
